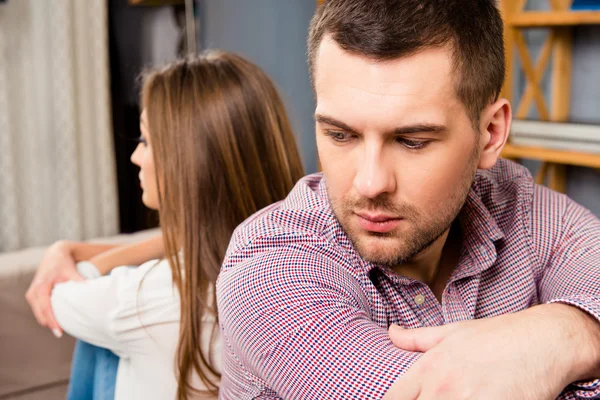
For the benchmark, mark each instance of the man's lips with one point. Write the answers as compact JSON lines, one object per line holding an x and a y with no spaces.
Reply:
{"x":380,"y":223}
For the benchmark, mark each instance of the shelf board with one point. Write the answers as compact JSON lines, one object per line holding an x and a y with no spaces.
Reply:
{"x":590,"y":160}
{"x":540,"y":19}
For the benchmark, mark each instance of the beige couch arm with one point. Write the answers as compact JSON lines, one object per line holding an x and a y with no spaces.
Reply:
{"x":33,"y":363}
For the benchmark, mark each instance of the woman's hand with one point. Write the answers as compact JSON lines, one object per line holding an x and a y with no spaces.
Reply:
{"x":57,"y":265}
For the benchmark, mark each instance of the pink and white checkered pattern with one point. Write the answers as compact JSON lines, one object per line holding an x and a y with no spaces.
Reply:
{"x":304,"y":317}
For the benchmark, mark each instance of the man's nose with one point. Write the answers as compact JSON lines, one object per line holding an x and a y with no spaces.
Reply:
{"x":374,"y":175}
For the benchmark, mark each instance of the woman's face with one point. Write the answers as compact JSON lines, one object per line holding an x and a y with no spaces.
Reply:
{"x":142,"y":157}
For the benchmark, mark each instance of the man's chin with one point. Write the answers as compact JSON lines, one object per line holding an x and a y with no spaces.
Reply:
{"x":379,"y":249}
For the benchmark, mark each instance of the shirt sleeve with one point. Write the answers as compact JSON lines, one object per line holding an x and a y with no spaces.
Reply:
{"x":297,"y":324}
{"x":572,"y":275}
{"x":83,"y":310}
{"x":132,"y":310}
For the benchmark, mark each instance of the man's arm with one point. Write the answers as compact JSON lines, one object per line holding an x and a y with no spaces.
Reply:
{"x":297,"y":323}
{"x":533,"y":354}
{"x":572,"y":277}
{"x":546,"y":347}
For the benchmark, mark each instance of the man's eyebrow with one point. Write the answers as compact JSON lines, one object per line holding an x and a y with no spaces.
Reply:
{"x":324,"y":119}
{"x":419,"y":128}
{"x":404,"y":130}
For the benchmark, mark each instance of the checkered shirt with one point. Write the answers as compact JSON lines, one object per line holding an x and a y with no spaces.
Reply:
{"x":304,"y":317}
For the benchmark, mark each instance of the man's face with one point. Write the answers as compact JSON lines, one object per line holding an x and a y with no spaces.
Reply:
{"x":396,"y":146}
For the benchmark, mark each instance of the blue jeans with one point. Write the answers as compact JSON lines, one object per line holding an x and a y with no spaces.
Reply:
{"x":93,"y":373}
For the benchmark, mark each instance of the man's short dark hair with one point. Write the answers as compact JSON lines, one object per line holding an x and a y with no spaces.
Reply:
{"x":388,"y":29}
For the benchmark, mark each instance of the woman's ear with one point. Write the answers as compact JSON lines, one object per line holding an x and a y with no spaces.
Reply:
{"x":494,"y":131}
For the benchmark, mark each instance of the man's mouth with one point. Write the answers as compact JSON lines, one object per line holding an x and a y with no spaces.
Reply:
{"x":378,"y":222}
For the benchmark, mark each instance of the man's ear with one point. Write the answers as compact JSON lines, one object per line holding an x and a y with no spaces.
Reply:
{"x":494,"y":130}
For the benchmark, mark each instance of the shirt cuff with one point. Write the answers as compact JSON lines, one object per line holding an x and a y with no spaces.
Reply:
{"x":591,"y":305}
{"x":88,"y":270}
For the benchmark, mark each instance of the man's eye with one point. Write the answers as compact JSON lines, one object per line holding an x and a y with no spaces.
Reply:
{"x":412,"y":144}
{"x":339,"y":136}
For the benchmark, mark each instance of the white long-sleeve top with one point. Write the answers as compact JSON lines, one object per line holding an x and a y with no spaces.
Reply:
{"x":135,"y":313}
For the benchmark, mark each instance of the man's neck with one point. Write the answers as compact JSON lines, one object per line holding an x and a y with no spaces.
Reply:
{"x":434,"y":265}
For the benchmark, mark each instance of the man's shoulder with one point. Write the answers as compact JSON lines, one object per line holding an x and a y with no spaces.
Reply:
{"x":509,"y":188}
{"x":303,"y":218}
{"x":506,"y":178}
{"x":523,"y":210}
{"x":289,"y":249}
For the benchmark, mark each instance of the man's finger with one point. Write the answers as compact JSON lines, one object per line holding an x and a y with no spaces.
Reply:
{"x":420,"y":339}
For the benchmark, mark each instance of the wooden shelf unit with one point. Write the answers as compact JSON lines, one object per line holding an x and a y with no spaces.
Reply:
{"x":559,"y":47}
{"x":544,"y":19}
{"x":554,"y":156}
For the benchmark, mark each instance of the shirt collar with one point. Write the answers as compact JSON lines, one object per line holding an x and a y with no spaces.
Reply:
{"x":480,"y":234}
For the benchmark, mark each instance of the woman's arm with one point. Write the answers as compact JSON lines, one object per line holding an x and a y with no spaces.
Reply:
{"x":133,"y":254}
{"x":58,"y":265}
{"x":108,"y":256}
{"x":118,"y":312}
{"x":82,"y":251}
{"x":84,"y":310}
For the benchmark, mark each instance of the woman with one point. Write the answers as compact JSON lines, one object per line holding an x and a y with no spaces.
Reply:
{"x":216,"y":147}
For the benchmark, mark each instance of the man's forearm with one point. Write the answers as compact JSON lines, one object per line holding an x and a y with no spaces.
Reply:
{"x":578,"y":350}
{"x":557,"y":344}
{"x":586,"y":330}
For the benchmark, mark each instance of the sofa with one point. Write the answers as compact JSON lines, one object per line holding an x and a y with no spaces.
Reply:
{"x":34,"y":365}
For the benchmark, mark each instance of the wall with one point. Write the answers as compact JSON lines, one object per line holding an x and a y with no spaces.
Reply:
{"x":271,"y":33}
{"x":143,"y":37}
{"x":140,"y":37}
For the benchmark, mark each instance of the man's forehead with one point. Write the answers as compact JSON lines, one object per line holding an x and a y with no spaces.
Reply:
{"x":424,"y":71}
{"x":373,"y":94}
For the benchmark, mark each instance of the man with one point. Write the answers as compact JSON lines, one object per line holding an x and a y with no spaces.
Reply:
{"x":489,"y":284}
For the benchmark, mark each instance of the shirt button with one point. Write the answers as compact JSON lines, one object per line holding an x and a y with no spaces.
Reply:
{"x":419,"y":299}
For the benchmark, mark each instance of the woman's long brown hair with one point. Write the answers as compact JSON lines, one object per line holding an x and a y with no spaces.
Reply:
{"x":223,"y":149}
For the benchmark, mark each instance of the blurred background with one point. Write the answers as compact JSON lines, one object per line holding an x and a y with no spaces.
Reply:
{"x":68,"y":111}
{"x":69,"y":98}
{"x":69,"y":107}
{"x":578,"y":27}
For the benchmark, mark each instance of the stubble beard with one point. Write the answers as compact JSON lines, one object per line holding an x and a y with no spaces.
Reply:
{"x":424,"y":228}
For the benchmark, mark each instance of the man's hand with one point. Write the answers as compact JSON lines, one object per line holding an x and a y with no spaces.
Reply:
{"x":57,"y":266}
{"x":533,"y":354}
